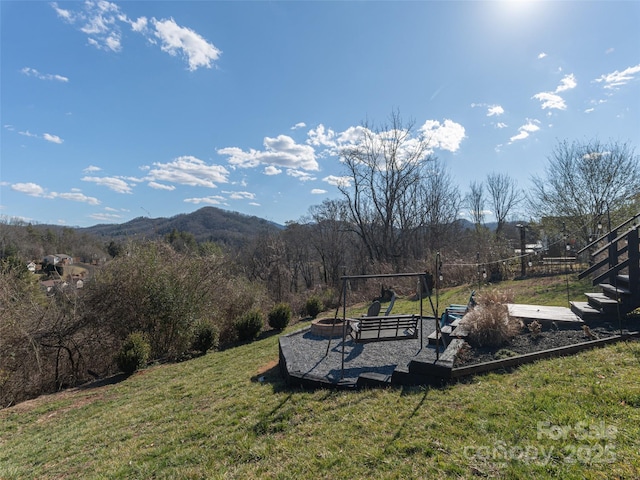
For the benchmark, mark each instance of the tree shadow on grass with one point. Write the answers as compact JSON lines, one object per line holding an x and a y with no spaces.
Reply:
{"x":111,"y":380}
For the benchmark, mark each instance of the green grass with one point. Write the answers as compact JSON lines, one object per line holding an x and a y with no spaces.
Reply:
{"x":212,"y":417}
{"x":536,"y":291}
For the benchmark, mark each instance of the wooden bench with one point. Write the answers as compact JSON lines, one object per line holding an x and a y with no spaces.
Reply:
{"x":386,"y":327}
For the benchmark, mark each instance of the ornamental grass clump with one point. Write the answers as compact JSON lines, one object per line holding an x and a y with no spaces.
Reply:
{"x":489,"y":323}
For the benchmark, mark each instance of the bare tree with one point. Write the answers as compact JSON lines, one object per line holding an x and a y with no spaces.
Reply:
{"x":299,"y":255}
{"x":504,"y":197}
{"x":330,"y":238}
{"x":586,"y":183}
{"x":385,"y":166}
{"x":441,"y":204}
{"x":475,"y":202}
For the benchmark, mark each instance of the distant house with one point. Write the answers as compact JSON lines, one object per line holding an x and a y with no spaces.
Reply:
{"x":32,"y":267}
{"x":530,"y":248}
{"x":57,"y":259}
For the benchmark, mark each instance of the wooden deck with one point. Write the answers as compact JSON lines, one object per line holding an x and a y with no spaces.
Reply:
{"x":543,"y":313}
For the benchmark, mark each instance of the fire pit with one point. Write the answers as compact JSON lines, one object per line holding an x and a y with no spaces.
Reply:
{"x":325,"y":327}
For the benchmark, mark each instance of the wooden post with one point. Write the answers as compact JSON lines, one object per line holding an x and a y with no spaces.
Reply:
{"x":523,"y":248}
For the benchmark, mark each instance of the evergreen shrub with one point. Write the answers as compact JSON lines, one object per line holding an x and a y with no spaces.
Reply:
{"x":280,"y":316}
{"x":134,"y":353}
{"x":249,"y":325}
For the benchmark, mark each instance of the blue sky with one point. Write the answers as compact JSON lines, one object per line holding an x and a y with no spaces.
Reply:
{"x":111,"y":111}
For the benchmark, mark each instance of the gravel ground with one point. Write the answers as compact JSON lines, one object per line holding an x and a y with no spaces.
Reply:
{"x":307,"y":354}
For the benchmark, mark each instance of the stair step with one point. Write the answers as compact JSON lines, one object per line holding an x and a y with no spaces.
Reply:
{"x":585,"y":311}
{"x":446,"y":332}
{"x":432,"y":337}
{"x":612,"y":292}
{"x":601,"y":302}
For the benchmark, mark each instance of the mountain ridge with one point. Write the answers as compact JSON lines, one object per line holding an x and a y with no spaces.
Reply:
{"x":205,"y":224}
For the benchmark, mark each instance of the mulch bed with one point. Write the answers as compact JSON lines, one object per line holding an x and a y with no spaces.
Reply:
{"x":547,"y":339}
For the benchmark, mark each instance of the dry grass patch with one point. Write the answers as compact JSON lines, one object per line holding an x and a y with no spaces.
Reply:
{"x":489,"y":323}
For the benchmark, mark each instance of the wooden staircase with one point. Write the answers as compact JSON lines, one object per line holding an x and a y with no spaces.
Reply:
{"x":616,"y":266}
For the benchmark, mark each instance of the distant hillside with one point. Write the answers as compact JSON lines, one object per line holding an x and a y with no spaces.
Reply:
{"x":206,"y":224}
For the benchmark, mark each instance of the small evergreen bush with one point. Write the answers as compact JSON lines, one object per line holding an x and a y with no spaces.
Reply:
{"x":249,"y":325}
{"x":280,"y":316}
{"x":206,"y":337}
{"x":313,"y":306}
{"x":134,"y":353}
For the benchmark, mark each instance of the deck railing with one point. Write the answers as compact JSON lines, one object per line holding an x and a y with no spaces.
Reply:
{"x":622,"y":249}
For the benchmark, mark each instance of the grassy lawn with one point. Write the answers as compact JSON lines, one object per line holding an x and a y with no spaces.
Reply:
{"x":229,"y":415}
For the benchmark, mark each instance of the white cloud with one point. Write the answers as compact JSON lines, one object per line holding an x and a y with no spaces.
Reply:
{"x":139,"y":25}
{"x":495,"y":110}
{"x":568,"y":82}
{"x":525,"y":130}
{"x":32,"y":72}
{"x":501,"y":125}
{"x":240,"y":195}
{"x":62,"y":13}
{"x":91,"y":169}
{"x":271,"y":170}
{"x":77,"y":197}
{"x":35,"y":190}
{"x":350,"y":136}
{"x":211,"y":200}
{"x":175,"y":38}
{"x":32,"y":189}
{"x":318,"y":191}
{"x":112,"y":42}
{"x":101,"y":21}
{"x":188,"y":170}
{"x":52,"y":138}
{"x":445,"y":136}
{"x":161,"y":186}
{"x":47,"y":136}
{"x":116,"y":184}
{"x":617,"y":79}
{"x":27,"y":133}
{"x":298,"y":125}
{"x":541,"y":55}
{"x":300,"y":175}
{"x":492,"y":110}
{"x":320,"y":137}
{"x":105,"y":217}
{"x":337,"y":181}
{"x":552,"y":100}
{"x":281,"y":151}
{"x":98,"y":20}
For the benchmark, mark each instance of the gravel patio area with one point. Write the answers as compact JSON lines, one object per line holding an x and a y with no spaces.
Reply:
{"x":304,"y":355}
